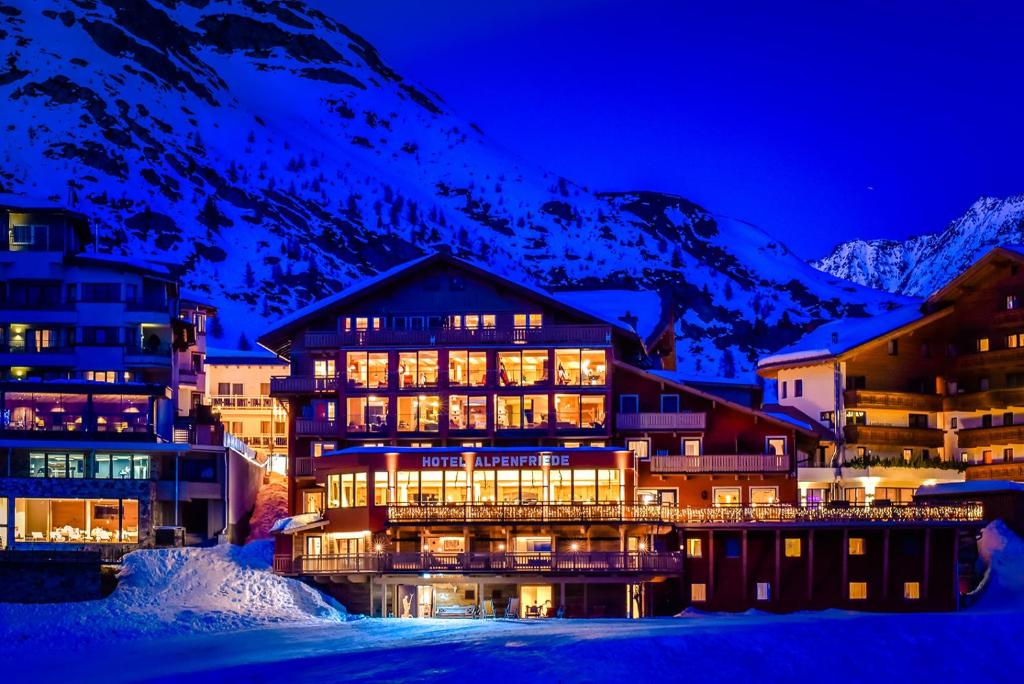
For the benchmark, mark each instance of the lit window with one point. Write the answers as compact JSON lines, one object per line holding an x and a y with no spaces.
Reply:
{"x":858,"y":591}
{"x":764,"y":591}
{"x":982,"y":344}
{"x":641,"y":448}
{"x":691,"y":447}
{"x":764,"y":496}
{"x":726,"y":496}
{"x":694,"y":547}
{"x":793,"y":547}
{"x":856,"y":546}
{"x":698,"y":591}
{"x":911,"y":590}
{"x":488,"y":320}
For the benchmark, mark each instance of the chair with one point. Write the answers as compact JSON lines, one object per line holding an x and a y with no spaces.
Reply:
{"x":38,"y":536}
{"x":512,"y":608}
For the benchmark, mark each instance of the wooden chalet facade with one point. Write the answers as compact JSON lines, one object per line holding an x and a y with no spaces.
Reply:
{"x":460,"y":443}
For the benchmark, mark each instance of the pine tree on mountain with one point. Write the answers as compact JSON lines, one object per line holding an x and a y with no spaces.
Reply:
{"x":727,"y":367}
{"x":216,"y":327}
{"x":250,"y":277}
{"x":352,"y":208}
{"x":727,"y":290}
{"x":243,"y":343}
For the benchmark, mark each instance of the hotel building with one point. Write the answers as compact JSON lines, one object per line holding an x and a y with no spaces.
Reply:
{"x":103,"y":431}
{"x":238,"y":391}
{"x":463,"y":444}
{"x":923,"y":394}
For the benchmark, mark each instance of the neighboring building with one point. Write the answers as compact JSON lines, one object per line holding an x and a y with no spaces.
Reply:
{"x":469,"y":443}
{"x":921,"y":393}
{"x":100,"y":366}
{"x":238,"y":389}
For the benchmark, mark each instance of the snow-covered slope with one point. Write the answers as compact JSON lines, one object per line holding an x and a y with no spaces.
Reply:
{"x":172,"y":592}
{"x":923,"y":264}
{"x":271,"y":150}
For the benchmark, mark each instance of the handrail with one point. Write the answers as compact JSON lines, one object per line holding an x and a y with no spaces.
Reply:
{"x":577,"y":334}
{"x":721,"y":463}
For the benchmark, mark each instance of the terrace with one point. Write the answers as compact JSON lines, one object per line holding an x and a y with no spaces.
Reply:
{"x":548,"y":334}
{"x":721,"y":463}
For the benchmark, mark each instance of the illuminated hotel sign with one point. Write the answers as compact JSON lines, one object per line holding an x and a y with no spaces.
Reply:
{"x":526,"y":461}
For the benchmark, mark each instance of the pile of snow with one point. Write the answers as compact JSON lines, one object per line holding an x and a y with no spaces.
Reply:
{"x":294,"y":522}
{"x":271,"y":505}
{"x":167,"y":592}
{"x":1002,"y":587}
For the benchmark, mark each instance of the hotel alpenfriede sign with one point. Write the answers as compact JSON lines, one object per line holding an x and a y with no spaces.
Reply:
{"x":524,"y":461}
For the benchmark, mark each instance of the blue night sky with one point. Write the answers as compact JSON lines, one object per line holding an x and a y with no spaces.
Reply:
{"x":819,"y":122}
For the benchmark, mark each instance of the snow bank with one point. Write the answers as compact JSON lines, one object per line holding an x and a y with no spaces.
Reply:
{"x":168,"y":592}
{"x":271,"y":505}
{"x":1002,"y":587}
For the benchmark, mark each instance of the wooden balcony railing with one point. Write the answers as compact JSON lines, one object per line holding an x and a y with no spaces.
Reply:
{"x":990,"y":358}
{"x":894,"y":435}
{"x":312,"y":426}
{"x":550,"y":334}
{"x":901,"y":401}
{"x":989,"y":399}
{"x":457,"y":514}
{"x":299,"y":384}
{"x":721,"y":463}
{"x":990,"y":436}
{"x":505,"y":562}
{"x":528,"y":512}
{"x":661,"y":421}
{"x":237,"y":401}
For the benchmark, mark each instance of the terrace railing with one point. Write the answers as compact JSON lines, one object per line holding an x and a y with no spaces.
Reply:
{"x":298,"y":384}
{"x":721,"y":463}
{"x":530,"y":512}
{"x":506,"y":562}
{"x":661,"y":421}
{"x":549,"y":334}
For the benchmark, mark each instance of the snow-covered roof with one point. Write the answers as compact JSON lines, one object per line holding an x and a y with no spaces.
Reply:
{"x":970,"y":487}
{"x":12,"y":201}
{"x":240,"y":357}
{"x":135,"y":262}
{"x":618,"y":306}
{"x":836,"y":337}
{"x":297,"y":523}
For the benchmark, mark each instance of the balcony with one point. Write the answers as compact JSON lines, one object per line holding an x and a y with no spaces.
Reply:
{"x":576,"y":562}
{"x":526,"y":512}
{"x":1008,"y":317}
{"x":830,"y":515}
{"x":661,"y":421}
{"x":723,"y":463}
{"x":313,"y":426}
{"x":550,"y":334}
{"x":237,"y":401}
{"x":894,"y":435}
{"x":302,"y":384}
{"x":303,"y":466}
{"x":990,"y":399}
{"x":991,"y":358}
{"x":989,"y":436}
{"x":157,"y":355}
{"x":900,"y":401}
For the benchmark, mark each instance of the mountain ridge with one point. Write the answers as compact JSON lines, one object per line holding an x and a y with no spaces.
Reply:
{"x":273,"y":152}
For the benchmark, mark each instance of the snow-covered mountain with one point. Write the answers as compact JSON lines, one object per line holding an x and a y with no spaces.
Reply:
{"x":923,"y":264}
{"x":274,"y":152}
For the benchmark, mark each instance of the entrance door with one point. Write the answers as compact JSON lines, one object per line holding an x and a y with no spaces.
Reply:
{"x":425,"y":601}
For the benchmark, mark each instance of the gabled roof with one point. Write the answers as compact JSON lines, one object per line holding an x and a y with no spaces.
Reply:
{"x":276,"y":339}
{"x":791,"y":414}
{"x":644,"y":307}
{"x":977,"y":271}
{"x":128,"y":263}
{"x":714,"y":398}
{"x":846,"y":335}
{"x":239,"y":357}
{"x":16,"y":203}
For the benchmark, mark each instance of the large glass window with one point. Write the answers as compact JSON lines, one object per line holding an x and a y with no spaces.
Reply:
{"x":580,"y":411}
{"x":417,"y":369}
{"x":117,"y":413}
{"x":508,"y":485}
{"x":367,"y":414}
{"x":407,"y":486}
{"x":418,"y":414}
{"x":380,"y":488}
{"x":532,"y":486}
{"x":324,"y":368}
{"x":522,"y":367}
{"x":467,"y":413}
{"x":431,"y":486}
{"x":581,"y":367}
{"x":455,"y":486}
{"x":346,"y":490}
{"x":466,"y":368}
{"x":367,"y":369}
{"x":561,"y":486}
{"x":484,"y":487}
{"x":508,"y":413}
{"x":608,"y":486}
{"x":77,"y":521}
{"x":584,"y":486}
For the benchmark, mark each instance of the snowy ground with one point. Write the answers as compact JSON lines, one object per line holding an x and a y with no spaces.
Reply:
{"x":217,"y":615}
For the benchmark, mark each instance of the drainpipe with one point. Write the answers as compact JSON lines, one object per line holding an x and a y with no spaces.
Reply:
{"x":177,"y":485}
{"x":224,"y":489}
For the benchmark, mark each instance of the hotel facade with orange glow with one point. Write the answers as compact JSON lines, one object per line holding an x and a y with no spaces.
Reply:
{"x":461,"y":444}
